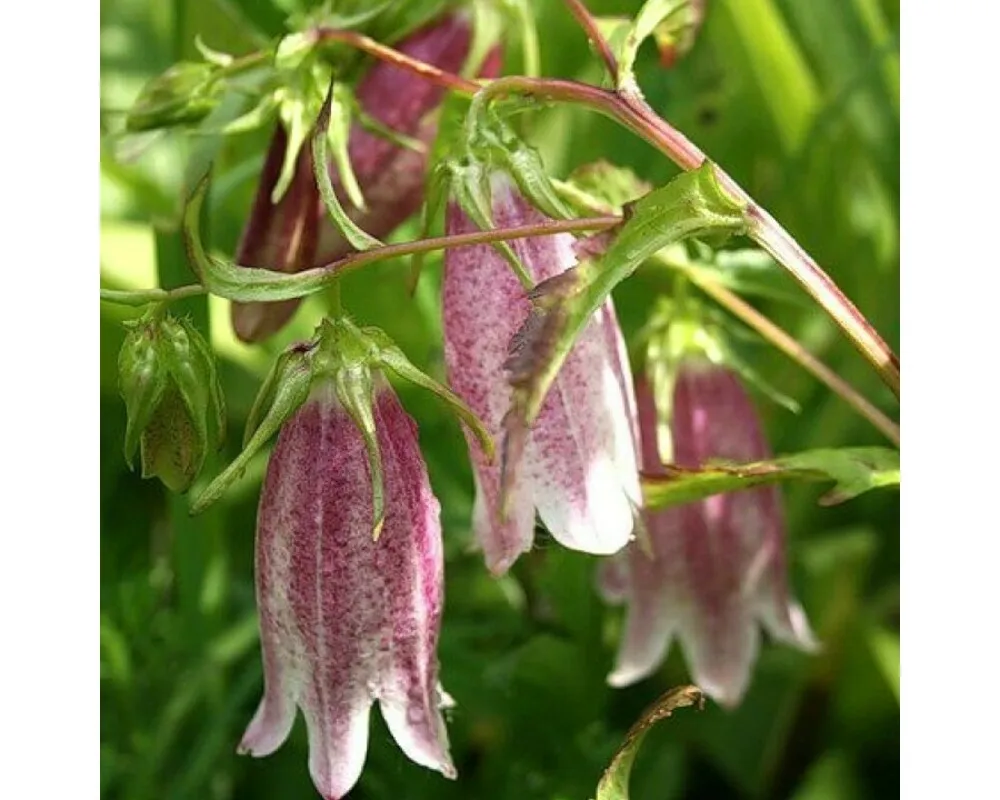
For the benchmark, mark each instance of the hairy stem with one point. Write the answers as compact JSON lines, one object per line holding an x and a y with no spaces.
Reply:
{"x":633,"y":112}
{"x":448,"y":80}
{"x":144,"y":297}
{"x":589,"y":25}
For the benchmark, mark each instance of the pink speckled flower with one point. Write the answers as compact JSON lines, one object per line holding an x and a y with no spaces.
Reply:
{"x":579,"y":467}
{"x":295,"y":233}
{"x":717,"y":565}
{"x":346,"y":620}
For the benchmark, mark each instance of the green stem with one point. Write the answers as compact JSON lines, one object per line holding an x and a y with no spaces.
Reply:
{"x":144,"y":297}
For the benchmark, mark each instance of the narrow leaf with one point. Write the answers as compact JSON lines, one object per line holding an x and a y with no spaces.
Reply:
{"x":614,"y":781}
{"x":359,"y":239}
{"x":354,"y":390}
{"x":291,"y":394}
{"x":391,"y":357}
{"x":243,"y":284}
{"x":853,"y":470}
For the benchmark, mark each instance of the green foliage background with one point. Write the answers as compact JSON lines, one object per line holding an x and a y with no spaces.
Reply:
{"x":799,"y":101}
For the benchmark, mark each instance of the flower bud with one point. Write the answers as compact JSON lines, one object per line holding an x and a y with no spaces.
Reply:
{"x":168,"y":380}
{"x":711,"y":570}
{"x":182,"y":95}
{"x":347,"y":619}
{"x":579,"y":467}
{"x":295,"y":233}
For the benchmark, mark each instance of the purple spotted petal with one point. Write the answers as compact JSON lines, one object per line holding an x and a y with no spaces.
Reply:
{"x":346,"y":620}
{"x":579,"y":465}
{"x":718,"y":565}
{"x":296,"y":234}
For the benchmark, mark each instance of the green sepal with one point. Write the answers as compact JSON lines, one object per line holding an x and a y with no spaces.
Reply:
{"x":288,"y":396}
{"x":293,"y":49}
{"x":168,"y":379}
{"x":375,"y":126}
{"x":216,"y":394}
{"x":173,"y":448}
{"x":435,"y":198}
{"x":141,"y":381}
{"x":358,"y":238}
{"x":673,"y":23}
{"x":692,"y":204}
{"x":392,"y":358}
{"x":257,"y":117}
{"x":346,"y":354}
{"x":212,"y":56}
{"x":470,"y":190}
{"x":292,"y":113}
{"x":290,"y":359}
{"x":338,"y":135}
{"x":299,"y":101}
{"x":355,"y":390}
{"x":495,"y":139}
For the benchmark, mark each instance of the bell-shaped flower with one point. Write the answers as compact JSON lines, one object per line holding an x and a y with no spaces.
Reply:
{"x":347,"y":618}
{"x":711,"y":570}
{"x":295,"y":233}
{"x":579,"y":466}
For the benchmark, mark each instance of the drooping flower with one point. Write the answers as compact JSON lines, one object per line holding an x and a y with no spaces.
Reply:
{"x":579,"y":468}
{"x":346,"y":619}
{"x":295,"y":233}
{"x":717,"y":566}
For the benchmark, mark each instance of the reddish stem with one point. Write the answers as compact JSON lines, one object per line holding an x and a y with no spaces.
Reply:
{"x":589,"y":25}
{"x":633,"y":112}
{"x":448,"y":80}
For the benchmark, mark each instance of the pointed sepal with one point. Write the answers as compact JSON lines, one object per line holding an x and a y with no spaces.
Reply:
{"x":168,"y":379}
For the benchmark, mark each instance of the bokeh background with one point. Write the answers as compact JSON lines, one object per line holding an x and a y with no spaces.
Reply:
{"x":799,"y":101}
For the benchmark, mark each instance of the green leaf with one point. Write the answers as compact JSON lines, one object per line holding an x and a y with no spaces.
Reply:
{"x":359,"y":239}
{"x":243,"y":284}
{"x":672,"y":22}
{"x":854,"y":470}
{"x":614,"y":781}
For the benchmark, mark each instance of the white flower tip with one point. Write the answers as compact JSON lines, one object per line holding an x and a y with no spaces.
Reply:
{"x":627,"y":674}
{"x":268,"y":729}
{"x":805,"y":639}
{"x":727,"y":691}
{"x":447,"y":769}
{"x":499,"y":565}
{"x":445,"y":700}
